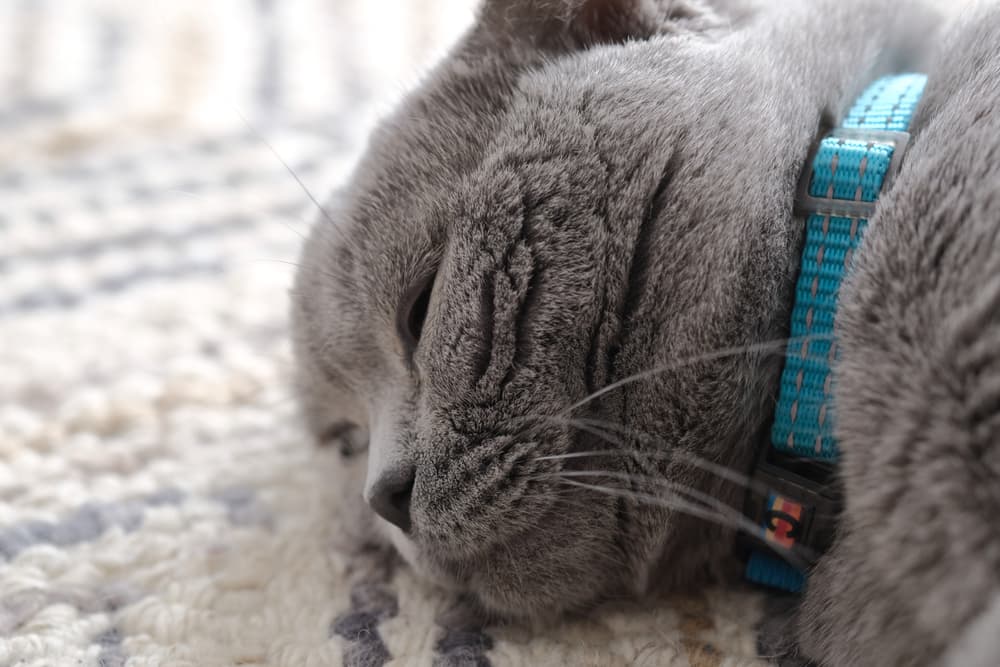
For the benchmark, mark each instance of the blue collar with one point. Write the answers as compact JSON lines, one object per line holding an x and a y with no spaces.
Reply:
{"x":792,"y":499}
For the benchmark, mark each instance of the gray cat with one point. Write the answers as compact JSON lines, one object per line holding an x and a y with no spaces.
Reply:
{"x":587,"y":190}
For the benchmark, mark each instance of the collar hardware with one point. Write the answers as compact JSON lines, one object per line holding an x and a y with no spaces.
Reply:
{"x":798,"y":513}
{"x":810,"y":199}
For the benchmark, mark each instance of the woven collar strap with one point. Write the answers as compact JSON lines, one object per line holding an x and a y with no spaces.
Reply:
{"x":792,"y":500}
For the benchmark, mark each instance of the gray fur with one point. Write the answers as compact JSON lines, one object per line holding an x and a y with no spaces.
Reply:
{"x":602,"y":187}
{"x":918,"y":392}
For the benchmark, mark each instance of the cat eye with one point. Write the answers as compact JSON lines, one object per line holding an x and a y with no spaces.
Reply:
{"x":346,"y":435}
{"x":413,"y":312}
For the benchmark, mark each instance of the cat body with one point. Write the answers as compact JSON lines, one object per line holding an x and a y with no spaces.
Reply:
{"x":918,"y":556}
{"x":585,"y":191}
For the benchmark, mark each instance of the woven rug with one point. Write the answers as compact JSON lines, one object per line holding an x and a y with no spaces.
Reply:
{"x":159,"y":501}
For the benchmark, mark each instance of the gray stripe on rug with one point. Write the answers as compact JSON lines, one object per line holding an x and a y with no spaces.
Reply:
{"x":91,"y":520}
{"x":269,"y":68}
{"x":18,"y":606}
{"x":112,"y":40}
{"x":146,"y":194}
{"x":328,"y":142}
{"x":31,"y":111}
{"x":242,"y":507}
{"x":371,"y":603}
{"x":112,"y":652}
{"x":57,"y":299}
{"x":463,"y":647}
{"x":146,"y":236}
{"x":86,"y":524}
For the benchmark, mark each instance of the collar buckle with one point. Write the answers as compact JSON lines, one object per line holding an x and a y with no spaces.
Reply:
{"x":796,"y":502}
{"x":806,"y":203}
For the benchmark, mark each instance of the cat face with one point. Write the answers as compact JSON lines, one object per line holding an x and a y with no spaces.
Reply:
{"x":542,"y":220}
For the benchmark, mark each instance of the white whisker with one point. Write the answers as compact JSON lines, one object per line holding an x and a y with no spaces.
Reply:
{"x":692,"y":509}
{"x":719,"y":470}
{"x":288,"y":168}
{"x":709,"y":501}
{"x":766,"y":346}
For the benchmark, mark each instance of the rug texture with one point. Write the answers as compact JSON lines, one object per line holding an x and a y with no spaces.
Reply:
{"x":159,"y":501}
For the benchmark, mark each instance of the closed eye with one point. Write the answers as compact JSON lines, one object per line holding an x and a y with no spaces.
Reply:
{"x":349,"y":439}
{"x":412,"y":314}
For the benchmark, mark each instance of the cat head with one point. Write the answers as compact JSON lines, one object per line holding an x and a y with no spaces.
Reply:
{"x":542,"y":219}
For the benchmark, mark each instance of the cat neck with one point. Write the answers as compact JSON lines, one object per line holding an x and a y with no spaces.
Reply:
{"x":837,"y":197}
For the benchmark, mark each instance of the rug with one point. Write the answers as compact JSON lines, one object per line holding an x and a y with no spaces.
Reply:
{"x":160,"y":503}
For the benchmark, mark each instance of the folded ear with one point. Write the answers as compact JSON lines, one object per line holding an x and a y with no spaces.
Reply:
{"x":561,"y":24}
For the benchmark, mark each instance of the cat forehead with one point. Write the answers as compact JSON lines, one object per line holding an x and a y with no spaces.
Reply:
{"x":467,"y":108}
{"x":426,"y":158}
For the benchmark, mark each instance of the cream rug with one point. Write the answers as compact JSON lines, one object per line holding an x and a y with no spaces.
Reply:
{"x":159,"y":503}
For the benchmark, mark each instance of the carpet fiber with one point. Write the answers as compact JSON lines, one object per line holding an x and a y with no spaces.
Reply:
{"x":159,"y":502}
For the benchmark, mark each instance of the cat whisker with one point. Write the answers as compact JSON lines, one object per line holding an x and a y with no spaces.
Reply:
{"x":691,"y":509}
{"x":721,"y":471}
{"x":566,"y":501}
{"x":726,"y":473}
{"x":528,"y":424}
{"x":674,"y":502}
{"x":680,"y":489}
{"x":195,"y":195}
{"x":767,"y":346}
{"x":326,"y":274}
{"x":284,"y":164}
{"x":718,"y":470}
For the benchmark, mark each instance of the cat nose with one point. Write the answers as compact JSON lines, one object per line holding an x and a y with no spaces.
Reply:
{"x":389,"y":496}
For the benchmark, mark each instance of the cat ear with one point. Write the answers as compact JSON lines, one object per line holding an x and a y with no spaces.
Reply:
{"x":562,"y":24}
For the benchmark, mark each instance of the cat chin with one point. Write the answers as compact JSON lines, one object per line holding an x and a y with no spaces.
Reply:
{"x":394,"y":536}
{"x":495,"y":599}
{"x":411,"y":555}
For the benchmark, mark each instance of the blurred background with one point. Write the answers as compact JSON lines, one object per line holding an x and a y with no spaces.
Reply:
{"x":81,"y":73}
{"x":141,"y":149}
{"x":158,"y":499}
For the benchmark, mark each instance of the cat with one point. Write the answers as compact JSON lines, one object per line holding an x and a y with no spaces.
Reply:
{"x":547,"y":314}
